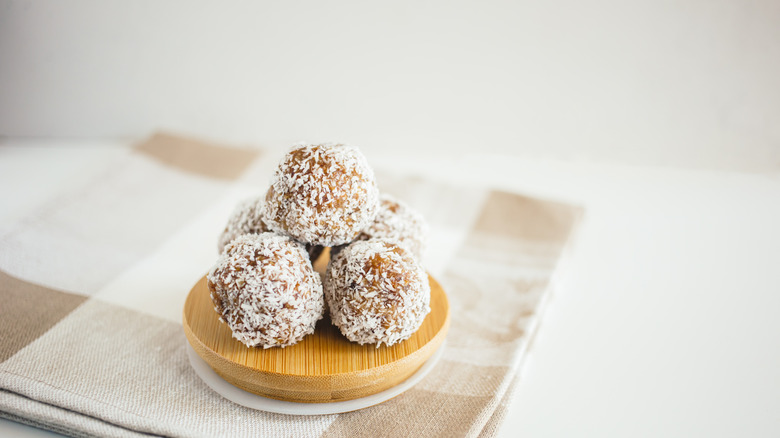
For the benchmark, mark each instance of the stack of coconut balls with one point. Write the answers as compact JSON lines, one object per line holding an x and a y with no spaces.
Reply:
{"x":264,"y":286}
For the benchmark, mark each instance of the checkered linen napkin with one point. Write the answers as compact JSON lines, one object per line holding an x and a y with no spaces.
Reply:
{"x":93,"y":281}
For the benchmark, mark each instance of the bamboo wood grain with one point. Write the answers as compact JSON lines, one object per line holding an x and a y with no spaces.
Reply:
{"x":323,"y":367}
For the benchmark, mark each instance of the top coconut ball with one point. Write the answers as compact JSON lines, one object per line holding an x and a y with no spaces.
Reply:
{"x":322,"y":194}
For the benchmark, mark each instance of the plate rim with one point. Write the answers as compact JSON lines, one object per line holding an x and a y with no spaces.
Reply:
{"x":266,"y":404}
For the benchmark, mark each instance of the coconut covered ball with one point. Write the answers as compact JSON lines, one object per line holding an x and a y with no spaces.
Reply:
{"x":323,"y":194}
{"x":264,"y":288}
{"x":377,"y":292}
{"x":245,"y":219}
{"x":399,"y":223}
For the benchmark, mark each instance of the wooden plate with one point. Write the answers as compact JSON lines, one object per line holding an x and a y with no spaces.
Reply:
{"x":324,"y":366}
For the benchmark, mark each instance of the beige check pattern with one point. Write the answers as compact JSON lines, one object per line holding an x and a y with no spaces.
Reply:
{"x":90,"y":277}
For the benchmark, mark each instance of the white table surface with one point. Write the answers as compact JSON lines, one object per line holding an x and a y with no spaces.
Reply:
{"x":666,"y":323}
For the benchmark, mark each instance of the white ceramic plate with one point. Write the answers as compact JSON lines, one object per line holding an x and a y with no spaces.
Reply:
{"x":254,"y":401}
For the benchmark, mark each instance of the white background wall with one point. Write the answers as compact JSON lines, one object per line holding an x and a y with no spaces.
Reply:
{"x":689,"y":83}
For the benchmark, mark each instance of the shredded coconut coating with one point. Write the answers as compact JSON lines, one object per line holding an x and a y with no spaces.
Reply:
{"x":399,"y":223}
{"x":264,"y":288}
{"x":245,"y":219}
{"x":377,"y":292}
{"x":322,"y":194}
